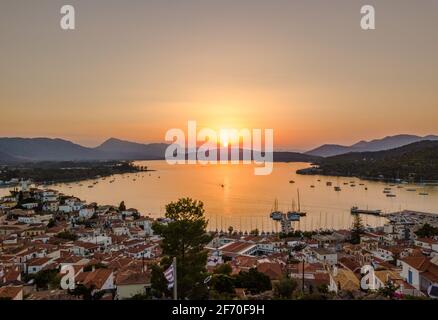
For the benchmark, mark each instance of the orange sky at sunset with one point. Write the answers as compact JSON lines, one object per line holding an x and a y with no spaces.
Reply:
{"x":303,"y":68}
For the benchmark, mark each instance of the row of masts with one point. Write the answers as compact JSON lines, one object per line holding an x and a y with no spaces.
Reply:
{"x":314,"y":222}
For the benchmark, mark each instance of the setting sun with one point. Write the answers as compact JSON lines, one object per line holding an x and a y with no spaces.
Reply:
{"x":227,"y":137}
{"x":224,"y":138}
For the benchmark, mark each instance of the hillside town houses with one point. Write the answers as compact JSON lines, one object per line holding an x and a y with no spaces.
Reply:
{"x":112,"y":250}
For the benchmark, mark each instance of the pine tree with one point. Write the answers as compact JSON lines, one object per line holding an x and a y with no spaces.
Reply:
{"x":357,"y":229}
{"x":184,"y":237}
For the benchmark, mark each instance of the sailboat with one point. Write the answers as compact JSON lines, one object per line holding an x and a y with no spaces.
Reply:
{"x":301,"y":213}
{"x":295,"y":215}
{"x":275,"y":214}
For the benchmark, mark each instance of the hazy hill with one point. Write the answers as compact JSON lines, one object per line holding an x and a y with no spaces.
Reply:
{"x":45,"y":149}
{"x":283,"y":156}
{"x":418,"y":160}
{"x":386,"y":143}
{"x":4,"y":157}
{"x":120,"y":149}
{"x":328,"y":150}
{"x":278,"y":156}
{"x":39,"y":149}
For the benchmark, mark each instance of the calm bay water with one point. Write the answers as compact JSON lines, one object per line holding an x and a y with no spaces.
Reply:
{"x":233,"y":195}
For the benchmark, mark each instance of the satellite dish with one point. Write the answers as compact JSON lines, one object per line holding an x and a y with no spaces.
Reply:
{"x":207,"y":280}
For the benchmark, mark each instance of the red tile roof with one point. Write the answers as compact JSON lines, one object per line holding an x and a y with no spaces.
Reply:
{"x":272,"y":270}
{"x":236,"y":247}
{"x":96,"y":278}
{"x":9,"y":292}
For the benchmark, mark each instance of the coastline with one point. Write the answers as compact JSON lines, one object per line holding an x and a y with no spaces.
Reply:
{"x":311,"y":171}
{"x":49,"y":173}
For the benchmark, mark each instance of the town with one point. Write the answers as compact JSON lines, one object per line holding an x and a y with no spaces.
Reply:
{"x":115,"y":251}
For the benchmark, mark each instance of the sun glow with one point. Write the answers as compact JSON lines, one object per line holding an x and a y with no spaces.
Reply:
{"x":228,"y":137}
{"x":225,"y":137}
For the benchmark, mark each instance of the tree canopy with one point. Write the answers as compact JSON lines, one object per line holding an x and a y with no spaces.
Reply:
{"x":184,"y":237}
{"x":254,"y":281}
{"x":427,"y":231}
{"x":357,"y":229}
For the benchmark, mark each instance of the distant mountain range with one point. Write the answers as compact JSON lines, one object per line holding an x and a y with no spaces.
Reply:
{"x":417,"y":161}
{"x":390,"y":142}
{"x":45,"y":149}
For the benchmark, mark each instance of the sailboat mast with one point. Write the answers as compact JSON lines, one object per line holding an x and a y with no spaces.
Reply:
{"x":299,"y":205}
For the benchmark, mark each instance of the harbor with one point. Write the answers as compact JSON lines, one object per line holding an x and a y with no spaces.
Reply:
{"x":233,"y":196}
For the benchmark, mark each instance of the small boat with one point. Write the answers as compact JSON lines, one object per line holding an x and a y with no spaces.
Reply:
{"x":328,"y":183}
{"x":312,"y":186}
{"x":399,"y":187}
{"x":361,"y":184}
{"x":319,"y":180}
{"x":90,"y":186}
{"x":390,"y":195}
{"x":337,"y":188}
{"x":352,"y":185}
{"x":386,"y":191}
{"x":411,"y":190}
{"x":291,"y":181}
{"x":345,"y":183}
{"x":423,"y":194}
{"x":387,"y":188}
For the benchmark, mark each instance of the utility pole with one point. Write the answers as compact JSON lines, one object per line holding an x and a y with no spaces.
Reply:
{"x":303,"y":277}
{"x":175,"y":290}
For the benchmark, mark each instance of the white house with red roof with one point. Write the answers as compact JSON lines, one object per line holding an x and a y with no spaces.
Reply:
{"x":421,"y":272}
{"x":427,"y":243}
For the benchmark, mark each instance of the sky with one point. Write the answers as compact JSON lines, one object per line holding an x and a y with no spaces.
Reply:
{"x":134,"y":69}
